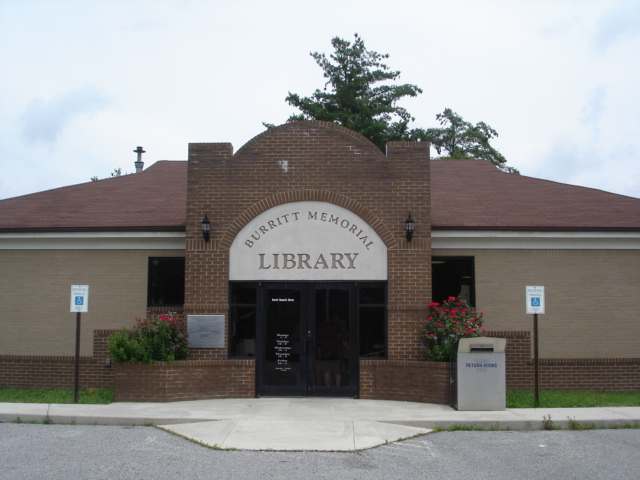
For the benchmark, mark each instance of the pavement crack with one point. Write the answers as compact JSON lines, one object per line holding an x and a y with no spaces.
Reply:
{"x":353,"y":433}
{"x":229,"y":433}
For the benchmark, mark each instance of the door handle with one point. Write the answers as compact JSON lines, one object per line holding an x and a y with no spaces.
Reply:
{"x":306,"y":344}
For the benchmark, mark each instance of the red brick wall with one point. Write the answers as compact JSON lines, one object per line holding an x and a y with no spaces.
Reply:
{"x":407,"y":381}
{"x":589,"y":374}
{"x":17,"y":371}
{"x":326,"y":163}
{"x":184,"y":380}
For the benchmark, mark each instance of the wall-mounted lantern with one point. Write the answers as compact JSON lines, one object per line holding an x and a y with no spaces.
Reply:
{"x":409,"y":227}
{"x":206,"y":228}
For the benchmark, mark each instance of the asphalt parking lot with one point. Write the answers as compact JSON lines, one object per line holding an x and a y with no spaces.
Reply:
{"x":121,"y":452}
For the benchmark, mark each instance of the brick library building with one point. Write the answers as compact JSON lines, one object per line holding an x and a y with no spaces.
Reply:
{"x":306,"y":233}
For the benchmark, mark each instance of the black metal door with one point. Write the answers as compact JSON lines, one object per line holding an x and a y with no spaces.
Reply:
{"x":307,"y":340}
{"x":334,"y":363}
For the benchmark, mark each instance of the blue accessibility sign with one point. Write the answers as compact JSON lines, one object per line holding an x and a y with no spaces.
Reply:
{"x":535,"y":300}
{"x":79,"y":298}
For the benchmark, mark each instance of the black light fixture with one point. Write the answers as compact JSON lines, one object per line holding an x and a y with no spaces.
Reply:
{"x":206,"y":228}
{"x":409,"y":227}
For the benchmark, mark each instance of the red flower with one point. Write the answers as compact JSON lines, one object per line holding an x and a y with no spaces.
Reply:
{"x":484,"y":331}
{"x":434,"y":304}
{"x":431,"y":335}
{"x":452,"y":299}
{"x":439,"y":324}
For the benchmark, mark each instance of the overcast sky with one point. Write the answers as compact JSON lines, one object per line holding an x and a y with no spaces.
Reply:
{"x":83,"y":83}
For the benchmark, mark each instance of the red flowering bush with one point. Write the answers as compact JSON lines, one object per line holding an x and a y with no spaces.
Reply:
{"x":446,"y":325}
{"x":158,"y":338}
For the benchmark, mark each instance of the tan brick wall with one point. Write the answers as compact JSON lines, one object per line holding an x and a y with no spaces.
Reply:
{"x":591,"y":298}
{"x":35,"y":288}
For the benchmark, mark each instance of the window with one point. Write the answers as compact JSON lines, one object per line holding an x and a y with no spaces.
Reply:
{"x":166,"y":282}
{"x":372,"y":318}
{"x":453,"y":276}
{"x":372,"y":311}
{"x":243,"y":310}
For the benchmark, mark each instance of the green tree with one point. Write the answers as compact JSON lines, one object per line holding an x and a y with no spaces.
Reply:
{"x":356,"y":95}
{"x":359,"y":95}
{"x":461,"y":139}
{"x":117,"y":172}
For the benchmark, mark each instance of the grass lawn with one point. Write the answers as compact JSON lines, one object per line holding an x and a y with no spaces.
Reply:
{"x":33,"y":395}
{"x":515,"y":398}
{"x":564,"y":399}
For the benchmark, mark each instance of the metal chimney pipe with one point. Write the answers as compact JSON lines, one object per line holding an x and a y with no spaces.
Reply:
{"x":139,"y":163}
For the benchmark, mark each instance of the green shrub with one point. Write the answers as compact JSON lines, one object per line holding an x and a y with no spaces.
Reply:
{"x":158,"y":338}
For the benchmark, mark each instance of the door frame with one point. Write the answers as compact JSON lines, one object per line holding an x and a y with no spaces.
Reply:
{"x":308,"y":386}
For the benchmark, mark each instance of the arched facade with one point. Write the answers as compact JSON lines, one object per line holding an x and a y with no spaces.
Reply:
{"x":307,"y":225}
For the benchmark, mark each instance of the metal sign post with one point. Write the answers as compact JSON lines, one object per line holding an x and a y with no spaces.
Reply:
{"x":535,"y":305}
{"x":79,"y":303}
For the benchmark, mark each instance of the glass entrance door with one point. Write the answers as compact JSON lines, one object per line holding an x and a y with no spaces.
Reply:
{"x":283,"y":357}
{"x":307,"y":340}
{"x":335,"y":358}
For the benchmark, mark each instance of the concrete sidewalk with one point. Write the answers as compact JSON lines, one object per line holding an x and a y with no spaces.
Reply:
{"x":316,"y":424}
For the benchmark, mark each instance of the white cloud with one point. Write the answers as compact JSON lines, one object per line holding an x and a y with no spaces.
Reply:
{"x":620,"y":22}
{"x":593,"y":111}
{"x":43,"y":121}
{"x":83,"y":83}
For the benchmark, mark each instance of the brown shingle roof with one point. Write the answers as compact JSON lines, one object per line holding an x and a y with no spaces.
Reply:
{"x":465,"y":194}
{"x":474,"y":194}
{"x":152,"y":200}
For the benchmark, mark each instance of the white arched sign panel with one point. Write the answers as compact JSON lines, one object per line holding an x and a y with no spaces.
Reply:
{"x":307,"y":241}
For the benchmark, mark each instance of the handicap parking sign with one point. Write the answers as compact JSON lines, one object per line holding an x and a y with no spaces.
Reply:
{"x":535,"y":300}
{"x":79,"y":298}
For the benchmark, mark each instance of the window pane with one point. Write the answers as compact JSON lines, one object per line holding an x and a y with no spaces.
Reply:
{"x":373,"y":332}
{"x":166,"y":282}
{"x":372,"y":294}
{"x":453,"y":276}
{"x":242,"y":332}
{"x":242,"y":320}
{"x":244,"y":293}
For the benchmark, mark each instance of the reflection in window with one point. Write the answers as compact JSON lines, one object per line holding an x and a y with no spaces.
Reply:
{"x":453,"y":276}
{"x":372,"y":311}
{"x":165,"y":282}
{"x":242,"y":320}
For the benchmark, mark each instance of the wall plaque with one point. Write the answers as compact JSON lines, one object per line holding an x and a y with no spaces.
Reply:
{"x":205,"y":331}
